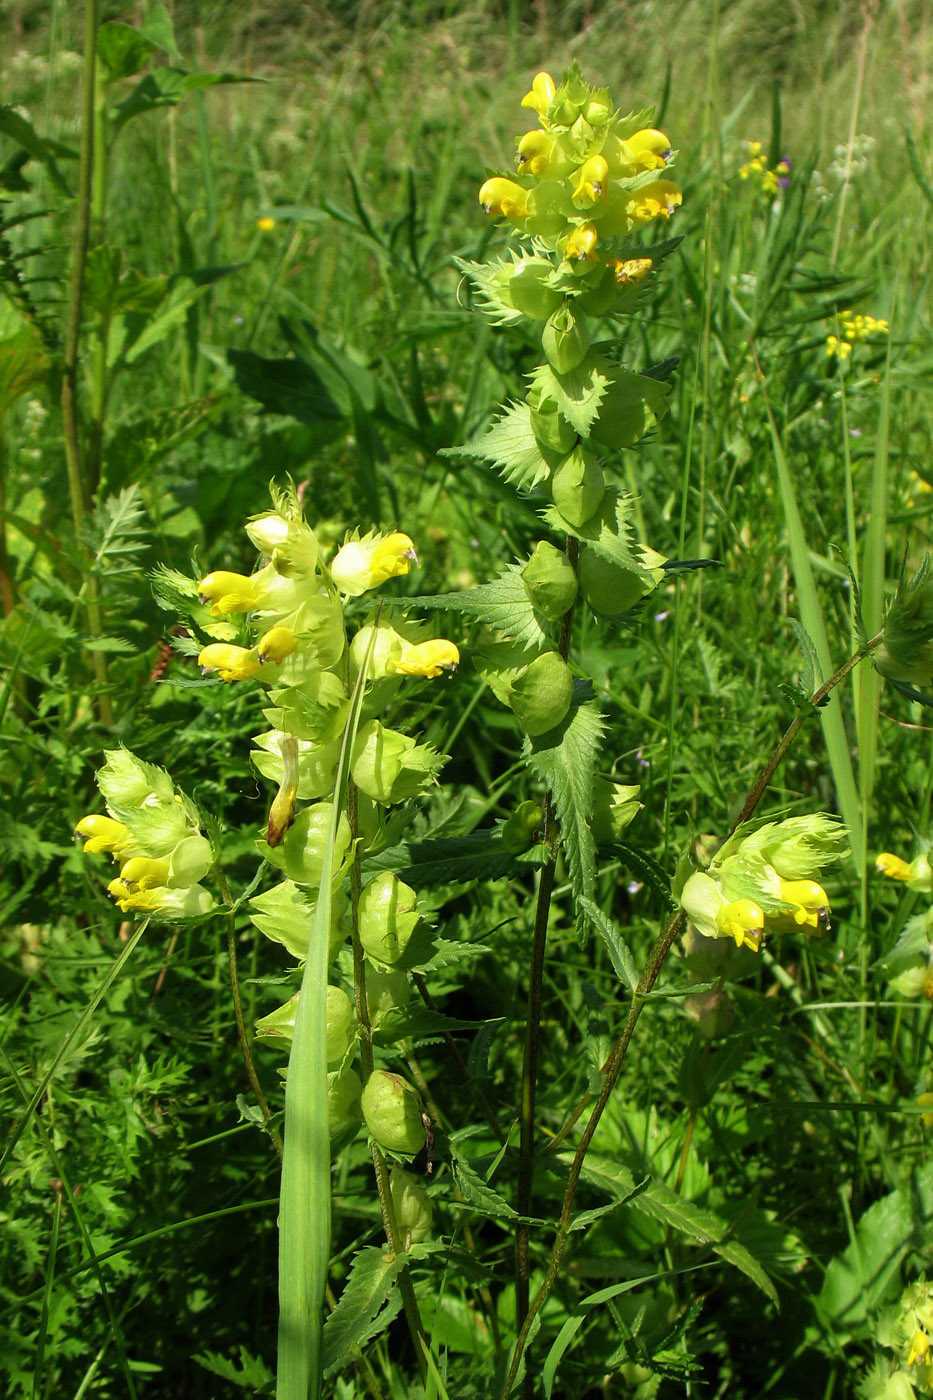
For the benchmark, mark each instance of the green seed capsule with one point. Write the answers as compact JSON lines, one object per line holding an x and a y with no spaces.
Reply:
{"x":566,"y":339}
{"x":541,"y":696}
{"x":385,"y":990}
{"x":551,"y":581}
{"x":578,"y":487}
{"x":387,"y":918}
{"x":392,"y":1110}
{"x":412,"y":1206}
{"x":344,"y":1111}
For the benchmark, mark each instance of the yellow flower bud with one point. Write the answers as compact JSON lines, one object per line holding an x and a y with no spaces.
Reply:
{"x":227,"y":593}
{"x":501,"y":196}
{"x":541,"y":95}
{"x":428,"y":659}
{"x":592,"y":179}
{"x":276,"y":644}
{"x":231,"y":663}
{"x":581,"y":245}
{"x":919,"y":1348}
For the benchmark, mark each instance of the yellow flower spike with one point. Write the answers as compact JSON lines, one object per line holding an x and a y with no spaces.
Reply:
{"x":581,"y":245}
{"x":501,"y":196}
{"x":744,"y":921}
{"x":919,"y":1353}
{"x":893,"y":866}
{"x":227,"y":593}
{"x":534,"y":153}
{"x":592,"y":181}
{"x":392,"y":558}
{"x":230,"y":662}
{"x":103,"y":834}
{"x":541,"y":95}
{"x":630,"y":271}
{"x":428,"y":659}
{"x":144,"y":873}
{"x":275,"y":645}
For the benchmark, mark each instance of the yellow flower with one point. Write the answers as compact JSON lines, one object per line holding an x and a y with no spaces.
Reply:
{"x":276,"y":644}
{"x":266,"y":224}
{"x":541,"y":94}
{"x":227,"y":592}
{"x":501,"y":196}
{"x":144,"y":872}
{"x":105,"y":834}
{"x":365,"y":563}
{"x":919,"y":1348}
{"x":631,"y":270}
{"x":926,"y":1101}
{"x":917,"y":875}
{"x":811,"y":900}
{"x":231,"y":663}
{"x":650,"y":148}
{"x":654,"y":201}
{"x":842,"y":349}
{"x":744,"y":921}
{"x":592,"y":179}
{"x":534,"y":152}
{"x":427,"y":659}
{"x":581,"y":245}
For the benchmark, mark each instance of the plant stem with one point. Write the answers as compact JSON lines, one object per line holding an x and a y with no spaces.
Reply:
{"x":380,"y":1166}
{"x":78,"y":488}
{"x":526,"y":1151}
{"x":245,"y":1048}
{"x":649,"y":976}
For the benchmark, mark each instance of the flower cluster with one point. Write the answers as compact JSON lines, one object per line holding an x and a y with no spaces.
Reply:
{"x":586,"y":175}
{"x":756,"y":168}
{"x":905,"y":654}
{"x":765,"y":879}
{"x":907,"y":1330}
{"x":855,"y":327}
{"x":909,"y":964}
{"x":153,"y":831}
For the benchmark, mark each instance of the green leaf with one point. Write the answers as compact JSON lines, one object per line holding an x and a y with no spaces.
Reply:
{"x":283,"y":386}
{"x":618,"y":950}
{"x":122,"y":49}
{"x":254,"y":1375}
{"x":566,"y":761}
{"x":479,"y":1194}
{"x":579,"y":393}
{"x":512,"y":448}
{"x":160,"y":30}
{"x":867,"y":1272}
{"x":630,"y":408}
{"x":417,"y":1022}
{"x":485,"y":278}
{"x":365,"y":1308}
{"x":20,"y":130}
{"x":480,"y":855}
{"x":164,"y":87}
{"x":173,"y":313}
{"x":504,"y":605}
{"x":660,"y":1202}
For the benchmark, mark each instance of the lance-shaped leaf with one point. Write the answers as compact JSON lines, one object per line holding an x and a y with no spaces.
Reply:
{"x":504,"y":605}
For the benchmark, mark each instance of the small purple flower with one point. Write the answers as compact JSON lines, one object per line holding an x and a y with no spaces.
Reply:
{"x":783,"y":172}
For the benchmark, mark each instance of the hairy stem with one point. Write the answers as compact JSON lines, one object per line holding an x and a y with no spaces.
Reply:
{"x":78,"y":487}
{"x":242,"y":1035}
{"x":380,"y":1166}
{"x":526,"y":1151}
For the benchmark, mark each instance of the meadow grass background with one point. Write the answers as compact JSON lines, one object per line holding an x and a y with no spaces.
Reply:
{"x":364,"y":134}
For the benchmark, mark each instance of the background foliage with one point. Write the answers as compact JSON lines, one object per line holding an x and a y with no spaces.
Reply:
{"x":336,"y":347}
